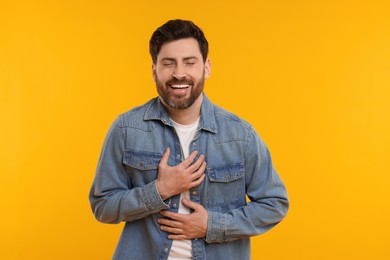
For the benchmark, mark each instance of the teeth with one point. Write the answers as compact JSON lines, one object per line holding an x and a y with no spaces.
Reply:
{"x":180,"y":86}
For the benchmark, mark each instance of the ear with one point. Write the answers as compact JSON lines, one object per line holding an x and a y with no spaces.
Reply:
{"x":154,"y":72}
{"x":207,"y":69}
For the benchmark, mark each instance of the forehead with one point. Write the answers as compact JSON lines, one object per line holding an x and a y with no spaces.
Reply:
{"x":178,"y":49}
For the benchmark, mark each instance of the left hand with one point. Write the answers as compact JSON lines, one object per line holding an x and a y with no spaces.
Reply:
{"x":185,"y":226}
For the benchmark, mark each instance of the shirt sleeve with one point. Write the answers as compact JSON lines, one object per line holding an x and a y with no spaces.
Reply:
{"x":112,"y":197}
{"x":268,"y":199}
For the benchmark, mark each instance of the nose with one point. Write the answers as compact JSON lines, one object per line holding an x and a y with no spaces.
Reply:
{"x":179,"y":72}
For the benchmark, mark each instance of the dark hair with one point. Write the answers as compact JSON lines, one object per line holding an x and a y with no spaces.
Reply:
{"x":176,"y":30}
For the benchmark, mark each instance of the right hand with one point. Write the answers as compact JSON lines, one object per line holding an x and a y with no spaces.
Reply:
{"x":182,"y":177}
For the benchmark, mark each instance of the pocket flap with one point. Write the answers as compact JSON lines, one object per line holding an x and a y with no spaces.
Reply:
{"x":142,"y":160}
{"x":226,"y":173}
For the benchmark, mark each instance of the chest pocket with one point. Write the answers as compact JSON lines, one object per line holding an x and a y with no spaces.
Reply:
{"x":141,"y":166}
{"x":225,"y":184}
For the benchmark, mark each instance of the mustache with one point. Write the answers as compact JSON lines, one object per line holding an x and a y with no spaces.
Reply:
{"x":179,"y":82}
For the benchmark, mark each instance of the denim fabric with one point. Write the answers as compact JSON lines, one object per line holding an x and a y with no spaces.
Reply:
{"x":238,"y":164}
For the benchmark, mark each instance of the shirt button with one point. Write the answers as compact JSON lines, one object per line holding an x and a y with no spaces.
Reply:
{"x":175,"y":205}
{"x":194,"y":143}
{"x":178,"y":156}
{"x":166,"y":250}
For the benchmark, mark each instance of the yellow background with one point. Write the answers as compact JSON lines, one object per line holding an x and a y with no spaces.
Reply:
{"x":313,"y":77}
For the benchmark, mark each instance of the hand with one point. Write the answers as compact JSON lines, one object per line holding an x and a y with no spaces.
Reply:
{"x":185,"y":226}
{"x":180,"y":178}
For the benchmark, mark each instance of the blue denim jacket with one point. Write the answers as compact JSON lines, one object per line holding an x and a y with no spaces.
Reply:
{"x":238,"y":164}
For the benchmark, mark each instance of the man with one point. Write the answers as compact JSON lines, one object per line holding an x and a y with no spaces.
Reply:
{"x":177,"y":169}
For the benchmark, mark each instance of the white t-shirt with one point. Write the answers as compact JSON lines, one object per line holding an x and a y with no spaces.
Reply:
{"x":182,"y":249}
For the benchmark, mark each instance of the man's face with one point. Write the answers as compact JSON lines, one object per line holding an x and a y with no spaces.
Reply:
{"x":180,"y":72}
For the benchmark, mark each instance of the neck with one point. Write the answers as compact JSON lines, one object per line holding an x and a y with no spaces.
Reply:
{"x":186,"y":116}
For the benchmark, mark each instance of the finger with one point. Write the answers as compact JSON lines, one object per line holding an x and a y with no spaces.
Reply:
{"x":196,"y":164}
{"x":190,"y":204}
{"x":171,"y":230}
{"x":169,"y":223}
{"x":198,"y":173}
{"x":197,"y":181}
{"x":187,"y":162}
{"x":171,"y":215}
{"x":200,"y":169}
{"x":178,"y":237}
{"x":165,"y":157}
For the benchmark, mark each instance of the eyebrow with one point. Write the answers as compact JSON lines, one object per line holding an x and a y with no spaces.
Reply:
{"x":190,"y":58}
{"x":184,"y":59}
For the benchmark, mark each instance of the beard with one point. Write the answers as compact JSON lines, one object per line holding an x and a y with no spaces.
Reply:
{"x":179,"y":101}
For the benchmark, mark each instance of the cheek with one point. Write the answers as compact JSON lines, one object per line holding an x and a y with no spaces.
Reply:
{"x":163,"y":75}
{"x":200,"y":76}
{"x":199,"y":72}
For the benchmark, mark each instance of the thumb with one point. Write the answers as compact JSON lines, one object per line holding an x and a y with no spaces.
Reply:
{"x":165,"y":157}
{"x":190,"y":204}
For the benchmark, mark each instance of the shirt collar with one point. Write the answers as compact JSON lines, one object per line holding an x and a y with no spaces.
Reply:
{"x":156,"y":111}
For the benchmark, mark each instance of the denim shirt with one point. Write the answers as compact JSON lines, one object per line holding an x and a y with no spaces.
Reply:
{"x":238,"y":165}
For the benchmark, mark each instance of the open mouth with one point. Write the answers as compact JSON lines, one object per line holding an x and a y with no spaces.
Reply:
{"x":180,"y":86}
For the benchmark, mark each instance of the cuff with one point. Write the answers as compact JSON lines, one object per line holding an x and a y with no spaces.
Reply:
{"x":152,"y":198}
{"x":216,"y":227}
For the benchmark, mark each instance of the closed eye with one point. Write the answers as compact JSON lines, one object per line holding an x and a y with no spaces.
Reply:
{"x":168,"y":62}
